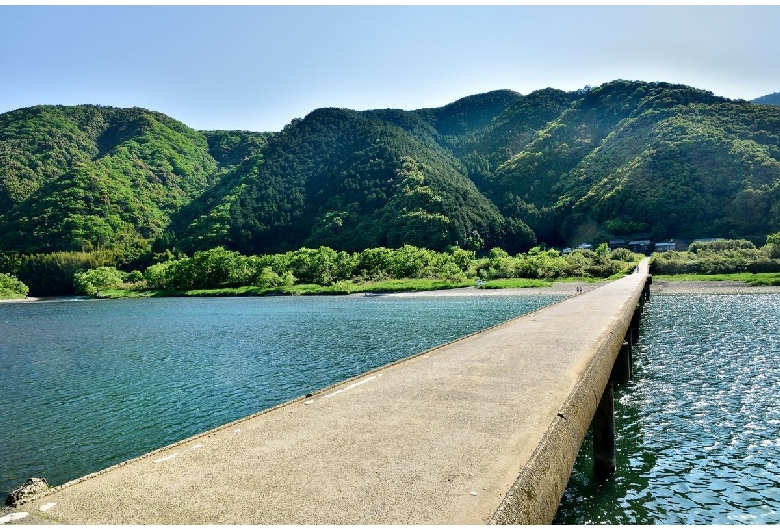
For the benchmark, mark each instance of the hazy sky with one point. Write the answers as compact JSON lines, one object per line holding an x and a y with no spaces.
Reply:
{"x":258,"y":67}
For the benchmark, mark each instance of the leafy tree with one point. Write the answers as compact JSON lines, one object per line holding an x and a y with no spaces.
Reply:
{"x":92,"y":281}
{"x":773,"y":245}
{"x":717,"y":257}
{"x":11,"y":287}
{"x":161,"y":275}
{"x":323,"y":266}
{"x":268,"y":278}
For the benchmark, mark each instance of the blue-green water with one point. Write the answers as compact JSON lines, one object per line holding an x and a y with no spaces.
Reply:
{"x":87,"y":384}
{"x":698,"y":429}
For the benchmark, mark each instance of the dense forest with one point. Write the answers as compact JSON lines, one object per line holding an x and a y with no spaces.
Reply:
{"x":90,"y":186}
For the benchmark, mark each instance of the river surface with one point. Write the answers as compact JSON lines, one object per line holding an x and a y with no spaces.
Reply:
{"x":89,"y":383}
{"x":698,"y":429}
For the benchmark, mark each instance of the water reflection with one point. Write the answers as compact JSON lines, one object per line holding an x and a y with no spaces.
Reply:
{"x":698,"y":438}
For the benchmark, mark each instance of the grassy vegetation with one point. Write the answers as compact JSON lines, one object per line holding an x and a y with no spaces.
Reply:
{"x":220,"y":272}
{"x":343,"y":287}
{"x":514,"y":283}
{"x":754,"y":279}
{"x":8,"y":295}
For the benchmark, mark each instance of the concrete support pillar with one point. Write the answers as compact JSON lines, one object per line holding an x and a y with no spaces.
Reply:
{"x":604,"y":462}
{"x":634,"y":326}
{"x":648,"y":283}
{"x":623,"y":369}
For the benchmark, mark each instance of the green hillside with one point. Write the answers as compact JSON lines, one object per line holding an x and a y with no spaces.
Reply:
{"x":499,"y":169}
{"x":770,"y":99}
{"x":350,"y":180}
{"x":88,"y":177}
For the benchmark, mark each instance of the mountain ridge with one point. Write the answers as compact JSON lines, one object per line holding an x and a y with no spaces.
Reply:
{"x":492,"y":169}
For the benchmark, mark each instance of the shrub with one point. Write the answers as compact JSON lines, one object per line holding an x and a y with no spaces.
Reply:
{"x":720,"y":245}
{"x":92,"y":281}
{"x":623,"y":254}
{"x":11,"y":287}
{"x":268,"y":278}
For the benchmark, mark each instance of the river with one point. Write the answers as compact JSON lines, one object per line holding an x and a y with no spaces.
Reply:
{"x":90,"y":383}
{"x":698,"y":429}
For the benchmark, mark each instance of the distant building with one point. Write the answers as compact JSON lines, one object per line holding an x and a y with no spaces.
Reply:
{"x":680,"y":245}
{"x":617,"y":243}
{"x":665,"y":246}
{"x":585,"y":246}
{"x":567,"y":250}
{"x":642,"y":246}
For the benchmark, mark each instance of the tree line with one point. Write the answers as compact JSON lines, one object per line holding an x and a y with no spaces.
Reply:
{"x":727,"y":256}
{"x":91,"y":272}
{"x":221,"y":268}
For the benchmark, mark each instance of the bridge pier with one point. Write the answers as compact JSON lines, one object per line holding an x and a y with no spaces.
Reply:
{"x":604,"y":461}
{"x":633,"y":329}
{"x":623,"y":370}
{"x":648,"y":283}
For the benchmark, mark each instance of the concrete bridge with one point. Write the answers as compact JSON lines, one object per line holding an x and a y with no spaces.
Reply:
{"x":485,"y":429}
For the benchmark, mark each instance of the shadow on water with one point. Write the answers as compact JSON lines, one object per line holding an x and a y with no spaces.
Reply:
{"x":617,"y":500}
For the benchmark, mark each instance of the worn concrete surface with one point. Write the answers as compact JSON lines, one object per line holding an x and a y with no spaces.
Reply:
{"x":481,"y":430}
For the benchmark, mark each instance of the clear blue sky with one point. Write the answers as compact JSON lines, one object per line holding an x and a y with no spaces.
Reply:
{"x":258,"y":67}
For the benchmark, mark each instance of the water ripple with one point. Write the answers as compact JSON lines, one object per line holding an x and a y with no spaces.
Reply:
{"x":91,"y":383}
{"x":698,"y":439}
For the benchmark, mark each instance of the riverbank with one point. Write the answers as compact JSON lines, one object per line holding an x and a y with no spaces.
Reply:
{"x":566,"y":288}
{"x":20,"y":300}
{"x":659,"y":286}
{"x":557,"y":288}
{"x":32,"y":299}
{"x":709,"y":287}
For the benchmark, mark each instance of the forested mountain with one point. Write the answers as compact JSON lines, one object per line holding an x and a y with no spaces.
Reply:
{"x":88,"y":177}
{"x":770,"y":99}
{"x":496,"y":169}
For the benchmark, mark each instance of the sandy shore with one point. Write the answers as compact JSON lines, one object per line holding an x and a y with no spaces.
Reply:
{"x":559,"y":288}
{"x":19,"y":300}
{"x":570,"y":288}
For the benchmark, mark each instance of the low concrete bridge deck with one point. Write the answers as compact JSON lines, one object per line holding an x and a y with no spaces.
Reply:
{"x":482,"y":430}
